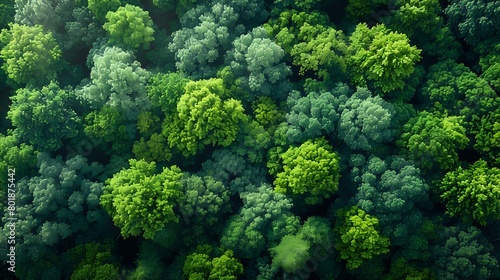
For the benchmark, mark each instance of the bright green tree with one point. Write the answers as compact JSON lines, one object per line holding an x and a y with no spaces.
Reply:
{"x":381,"y":56}
{"x":416,"y":17}
{"x":202,"y":264}
{"x":291,"y":254}
{"x":357,"y":237}
{"x":31,"y":55}
{"x":321,"y":50}
{"x":131,"y":26}
{"x":285,"y":28}
{"x":487,"y":136}
{"x":100,"y":8}
{"x":204,"y":116}
{"x":472,"y":193}
{"x":312,"y":170}
{"x":432,"y":141}
{"x":140,"y":201}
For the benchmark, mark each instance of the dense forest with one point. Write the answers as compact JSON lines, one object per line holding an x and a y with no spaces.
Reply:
{"x":250,"y":139}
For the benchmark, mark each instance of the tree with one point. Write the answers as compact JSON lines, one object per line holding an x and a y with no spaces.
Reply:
{"x":155,"y":149}
{"x":462,"y":252}
{"x":131,"y":26}
{"x":357,"y":237}
{"x":262,"y":221}
{"x":393,"y":191}
{"x":202,"y":265}
{"x":203,"y":204}
{"x":294,"y":4}
{"x":285,"y":28}
{"x":93,"y":261}
{"x":366,"y":121}
{"x":256,"y":63}
{"x":204,"y":117}
{"x":432,"y":141}
{"x":380,"y":56}
{"x":316,"y":114}
{"x":311,"y":170}
{"x":252,"y":142}
{"x":234,"y":171}
{"x":59,"y":205}
{"x":490,"y":66}
{"x":453,"y":89}
{"x":51,"y":14}
{"x":475,"y":21}
{"x":14,"y":154}
{"x":361,"y":10}
{"x":140,"y":201}
{"x":31,"y":55}
{"x":100,"y":8}
{"x":44,"y":117}
{"x":206,"y":34}
{"x":472,"y":193}
{"x":267,"y":113}
{"x":312,"y":245}
{"x":7,"y":12}
{"x":165,"y":90}
{"x":82,"y":30}
{"x":402,"y":269}
{"x":226,"y":267}
{"x":321,"y":50}
{"x":117,"y":80}
{"x":487,"y":136}
{"x":291,"y":254}
{"x":109,"y":126}
{"x":416,"y":18}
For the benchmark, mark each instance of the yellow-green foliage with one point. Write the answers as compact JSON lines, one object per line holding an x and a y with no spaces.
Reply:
{"x":357,"y":237}
{"x":312,"y":169}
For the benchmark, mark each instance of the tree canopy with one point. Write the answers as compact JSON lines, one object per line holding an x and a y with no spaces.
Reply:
{"x":250,"y":139}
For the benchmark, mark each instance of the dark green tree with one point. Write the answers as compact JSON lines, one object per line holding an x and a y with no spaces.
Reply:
{"x":262,"y":221}
{"x":45,"y":117}
{"x":462,"y":252}
{"x":256,"y":63}
{"x":475,"y":21}
{"x":453,"y":89}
